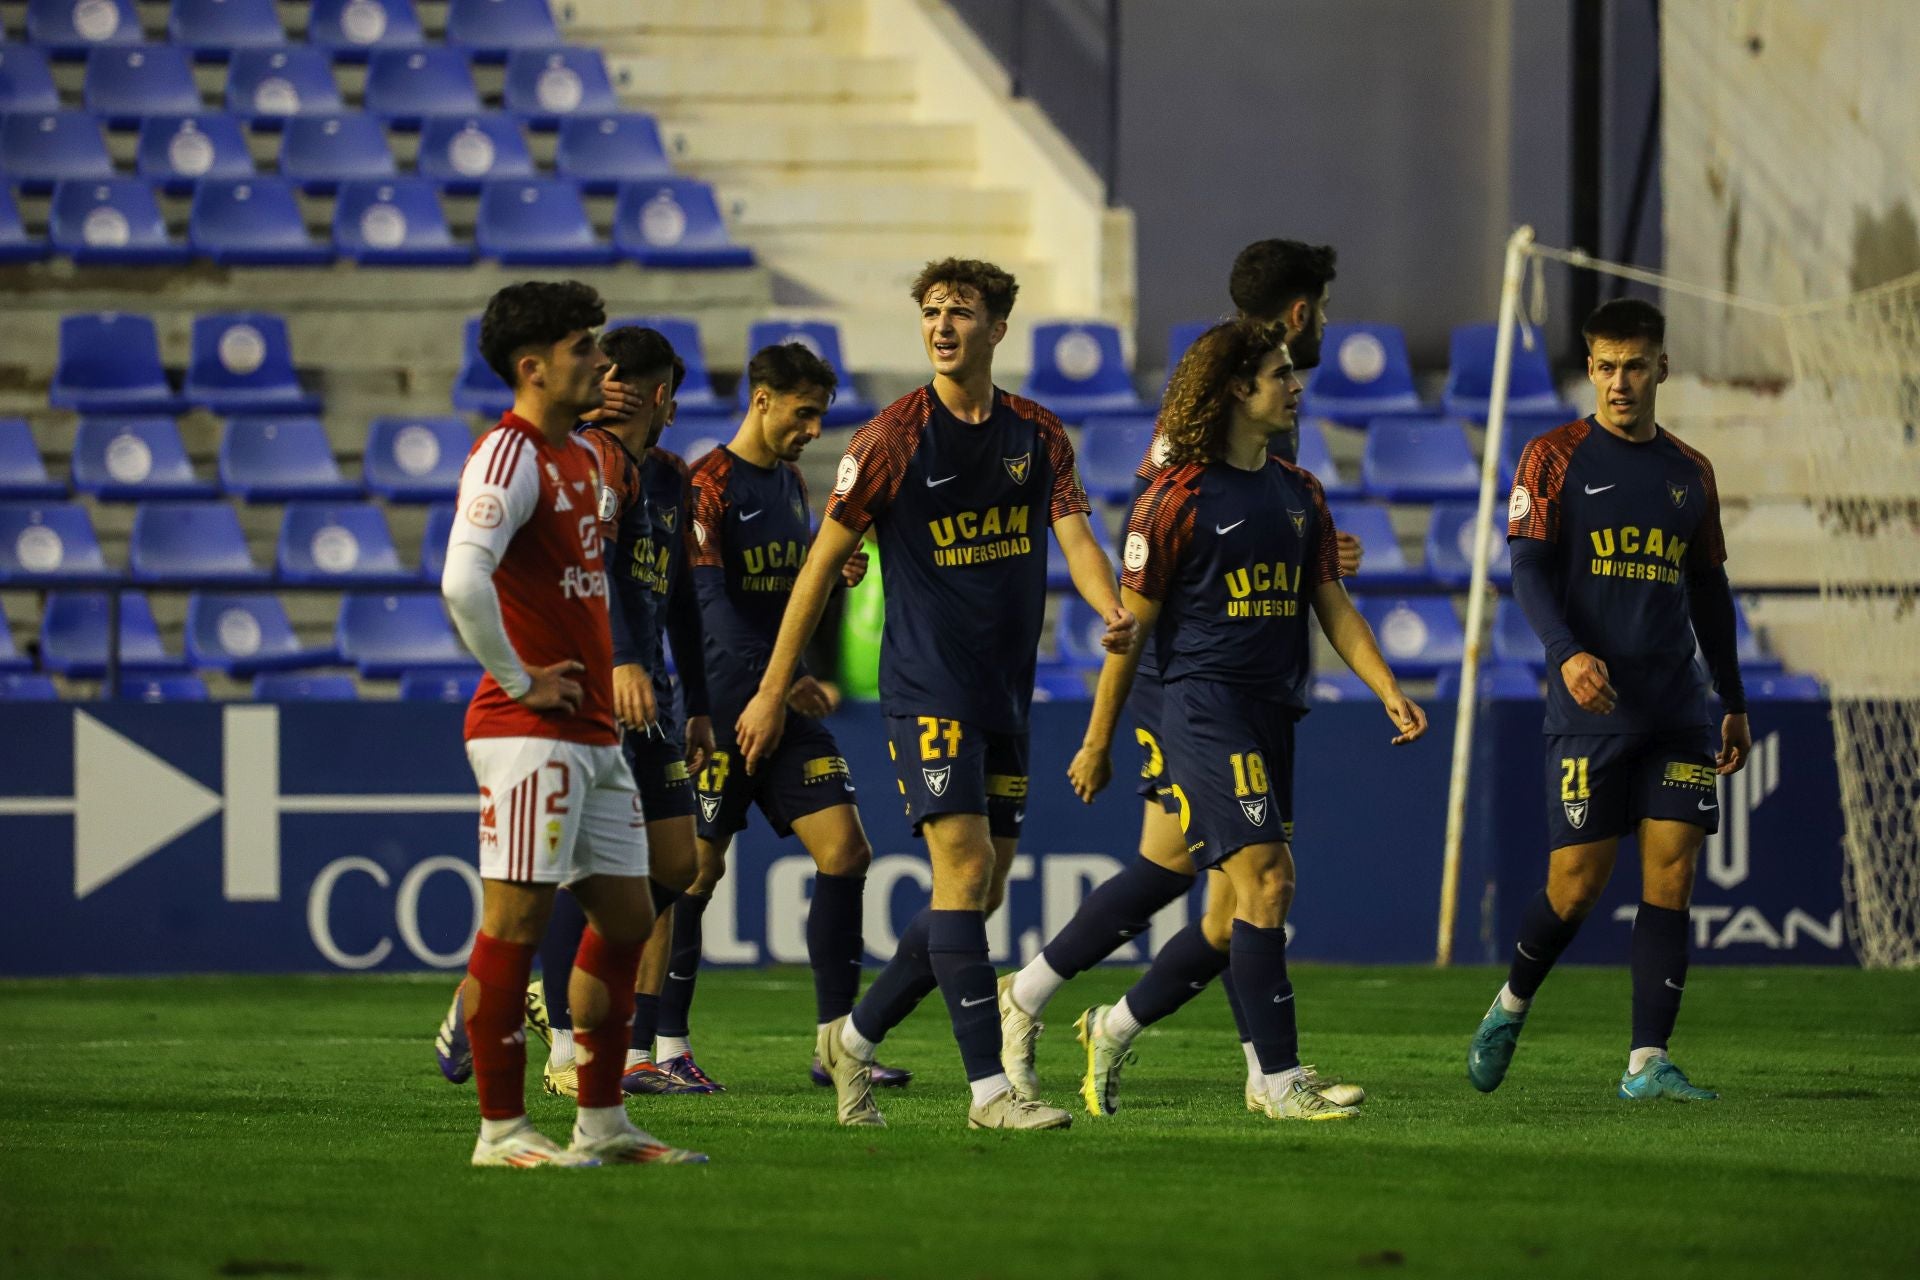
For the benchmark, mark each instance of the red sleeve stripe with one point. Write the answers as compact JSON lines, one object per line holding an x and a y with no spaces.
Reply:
{"x":505,"y":459}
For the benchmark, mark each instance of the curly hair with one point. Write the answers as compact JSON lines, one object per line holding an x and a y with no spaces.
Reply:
{"x":535,"y":313}
{"x":1198,"y":406}
{"x":997,"y":288}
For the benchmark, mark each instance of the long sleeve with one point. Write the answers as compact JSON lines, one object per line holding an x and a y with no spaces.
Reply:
{"x":720,"y":621}
{"x":1710,"y":602}
{"x":467,"y":586}
{"x":498,"y":490}
{"x":687,"y":634}
{"x":1533,"y":591}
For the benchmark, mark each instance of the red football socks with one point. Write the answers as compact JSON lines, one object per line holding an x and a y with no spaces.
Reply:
{"x":496,"y":1024}
{"x":601,"y":1054}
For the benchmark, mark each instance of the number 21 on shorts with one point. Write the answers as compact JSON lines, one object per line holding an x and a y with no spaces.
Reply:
{"x":1573,"y":778}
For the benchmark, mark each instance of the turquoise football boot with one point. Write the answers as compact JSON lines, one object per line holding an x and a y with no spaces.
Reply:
{"x":1661,"y":1079}
{"x":1492,"y":1047}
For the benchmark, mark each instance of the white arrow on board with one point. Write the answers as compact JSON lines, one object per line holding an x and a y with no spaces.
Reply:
{"x":128,"y":803}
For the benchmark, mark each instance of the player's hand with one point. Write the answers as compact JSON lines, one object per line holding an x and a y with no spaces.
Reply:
{"x":1736,"y":744}
{"x":1350,"y":552}
{"x":618,"y":401}
{"x":757,"y":731}
{"x":1122,"y":626}
{"x":699,"y":742}
{"x":854,"y":569}
{"x":1586,"y":678}
{"x":552,"y":691}
{"x":633,"y":696}
{"x":809,"y":698}
{"x":1406,"y":715}
{"x":1091,"y":770}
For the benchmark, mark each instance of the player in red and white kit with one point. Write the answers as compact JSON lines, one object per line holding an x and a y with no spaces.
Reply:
{"x":526,"y":587}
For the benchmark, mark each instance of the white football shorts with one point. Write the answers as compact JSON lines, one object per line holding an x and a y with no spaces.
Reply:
{"x":553,"y":812}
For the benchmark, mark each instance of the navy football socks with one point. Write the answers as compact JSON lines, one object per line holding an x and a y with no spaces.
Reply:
{"x":957,"y":951}
{"x":1116,"y":911}
{"x":1181,"y":971}
{"x":646,"y":1020}
{"x":683,"y":965}
{"x":1543,"y":936}
{"x":1659,"y":963}
{"x":834,"y":944}
{"x":1233,"y":1003}
{"x":562,"y":942}
{"x":898,"y":989}
{"x":1266,"y":994}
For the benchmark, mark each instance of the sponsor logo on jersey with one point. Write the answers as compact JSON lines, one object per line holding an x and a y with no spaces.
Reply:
{"x":485,"y":512}
{"x":1019,"y":467}
{"x":843,"y":479}
{"x":1256,"y":811}
{"x":937,"y":778}
{"x":1678,"y":492}
{"x":821,"y":768}
{"x":1576,"y":812}
{"x":560,"y":502}
{"x":1519,"y":504}
{"x":489,"y":823}
{"x":992,"y":534}
{"x":583,"y":584}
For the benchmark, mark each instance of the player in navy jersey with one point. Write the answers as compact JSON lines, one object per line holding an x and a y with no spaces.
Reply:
{"x":1224,"y":588}
{"x":959,"y":480}
{"x":1282,"y":282}
{"x":1618,"y":563}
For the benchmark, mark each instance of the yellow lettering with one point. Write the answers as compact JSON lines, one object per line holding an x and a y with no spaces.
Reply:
{"x":990,"y":527}
{"x":756,"y":559}
{"x":969,"y":522}
{"x":1676,"y":551}
{"x":1656,"y":543}
{"x":1630,"y":540}
{"x":1602,"y":542}
{"x":1017,"y":519}
{"x":1237,"y":584}
{"x":942,"y":530}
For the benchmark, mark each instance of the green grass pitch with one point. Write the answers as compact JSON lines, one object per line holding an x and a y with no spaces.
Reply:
{"x":258,"y":1126}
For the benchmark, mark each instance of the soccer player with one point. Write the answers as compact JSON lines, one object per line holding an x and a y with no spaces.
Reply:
{"x":1281,"y":282}
{"x":1618,"y":563}
{"x":954,"y":477}
{"x":525,"y":584}
{"x":752,"y":524}
{"x":1223,"y":587}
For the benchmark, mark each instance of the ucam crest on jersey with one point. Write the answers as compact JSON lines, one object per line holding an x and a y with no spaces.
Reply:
{"x":1576,"y":812}
{"x":937,"y":778}
{"x":1019,"y":467}
{"x":1299,"y":519}
{"x":1678,"y":492}
{"x":1256,"y":811}
{"x":709,"y":805}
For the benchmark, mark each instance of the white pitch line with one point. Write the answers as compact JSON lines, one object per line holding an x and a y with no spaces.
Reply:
{"x":36,"y":806}
{"x":443,"y":803}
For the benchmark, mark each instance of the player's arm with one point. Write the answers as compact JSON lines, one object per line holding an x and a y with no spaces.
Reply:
{"x":689,"y":640}
{"x":1710,"y":605}
{"x":1092,"y":766}
{"x":1533,"y":535}
{"x":758,"y":729}
{"x":633,"y":702}
{"x":1088,"y":565}
{"x":1354,"y":641}
{"x":498,"y":491}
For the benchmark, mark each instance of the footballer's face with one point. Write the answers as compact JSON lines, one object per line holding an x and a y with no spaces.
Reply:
{"x":790,"y":420}
{"x":1272,"y":398}
{"x":569,"y":372}
{"x":959,"y":334}
{"x":1625,"y":373}
{"x":1306,"y":326}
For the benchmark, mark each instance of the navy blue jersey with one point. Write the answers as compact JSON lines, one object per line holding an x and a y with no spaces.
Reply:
{"x":962,"y":511}
{"x":751,"y":529}
{"x":1627,"y":523}
{"x":1233,"y":557}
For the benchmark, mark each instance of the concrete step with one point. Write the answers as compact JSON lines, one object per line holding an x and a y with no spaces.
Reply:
{"x":945,"y":210}
{"x":611,"y":19}
{"x":830,"y":278}
{"x":774,"y":144}
{"x":649,"y":81}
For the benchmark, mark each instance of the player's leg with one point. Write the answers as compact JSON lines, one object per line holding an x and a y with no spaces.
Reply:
{"x":646,"y":1003}
{"x":558,"y":946}
{"x":678,"y":852}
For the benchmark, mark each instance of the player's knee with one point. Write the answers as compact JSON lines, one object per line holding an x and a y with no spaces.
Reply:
{"x":710,"y":867}
{"x":1217,"y":928}
{"x":1573,"y":897}
{"x":850,"y":856}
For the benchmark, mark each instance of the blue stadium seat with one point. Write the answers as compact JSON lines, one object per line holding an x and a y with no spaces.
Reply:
{"x":1518,"y":429}
{"x":1784,"y":686}
{"x":15,"y":244}
{"x":397,"y":223}
{"x":1512,"y":640}
{"x":1182,"y":336}
{"x":416,"y":459}
{"x":601,"y":152}
{"x":256,"y":222}
{"x":190,"y":543}
{"x":438,"y":685}
{"x":304,"y":686}
{"x":321,"y":152}
{"x":213,"y":29}
{"x":1383,"y":565}
{"x":1419,"y":635}
{"x":822,"y":337}
{"x":493,"y":28}
{"x":1469,"y":386}
{"x":1077,"y":634}
{"x":1058,"y":578}
{"x":245,"y":632}
{"x":460,"y":152}
{"x":28,"y":687}
{"x":674,"y":223}
{"x":433,"y":542}
{"x":38,"y":149}
{"x":110,"y":363}
{"x":176,"y":152}
{"x":26,"y":81}
{"x":116,"y":221}
{"x":23,"y":472}
{"x":1419,"y":460}
{"x":178,"y":687}
{"x":266,"y":86}
{"x":134,"y":460}
{"x":280,"y":460}
{"x":545,"y":84}
{"x":69,"y":28}
{"x":477,"y":388}
{"x":537,"y":221}
{"x":1450,"y":545}
{"x":1314,"y":456}
{"x":1364,"y":373}
{"x":351,"y":29}
{"x":1053,"y":682}
{"x":407,"y":86}
{"x":1499,"y":682}
{"x":1078,"y":370}
{"x":385,"y":635}
{"x":1753,"y":656}
{"x":696,"y":398}
{"x":347,"y":545}
{"x":127,"y":83}
{"x":243,"y":363}
{"x":73,"y":635}
{"x":1338,"y":685}
{"x":11,"y":659}
{"x":1110,"y":454}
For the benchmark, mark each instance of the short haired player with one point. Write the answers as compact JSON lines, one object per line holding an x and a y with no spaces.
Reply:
{"x":959,"y":480}
{"x":1224,"y":587}
{"x":1619,"y":566}
{"x":526,"y":586}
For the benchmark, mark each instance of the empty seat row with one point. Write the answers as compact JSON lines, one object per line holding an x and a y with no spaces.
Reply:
{"x":667,"y":222}
{"x":267,"y":87}
{"x":238,"y":362}
{"x":215,"y":29}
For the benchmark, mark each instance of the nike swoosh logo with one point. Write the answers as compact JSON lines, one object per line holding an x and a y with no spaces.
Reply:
{"x":1704,"y":807}
{"x":968,"y":1004}
{"x":1283,"y":999}
{"x":1197,"y":986}
{"x":1528,"y":954}
{"x":1603,"y":488}
{"x":748,"y":515}
{"x":1228,"y":528}
{"x":681,"y":977}
{"x":1674,"y":985}
{"x":935,"y":484}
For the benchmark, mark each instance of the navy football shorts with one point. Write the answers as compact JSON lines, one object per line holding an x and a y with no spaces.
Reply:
{"x":805,"y":774}
{"x":659,"y":762}
{"x":947,"y":766}
{"x":1599,"y":786}
{"x":1231,"y":758}
{"x":1145,"y":704}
